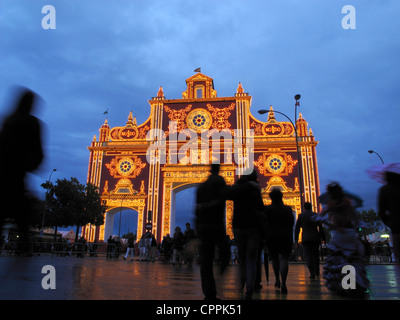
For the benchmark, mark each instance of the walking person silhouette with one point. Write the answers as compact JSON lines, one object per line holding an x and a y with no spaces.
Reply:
{"x":312,"y":235}
{"x":16,"y":161}
{"x":130,"y":248}
{"x":280,"y":221}
{"x":248,"y":203}
{"x":210,"y":229}
{"x":389,"y":208}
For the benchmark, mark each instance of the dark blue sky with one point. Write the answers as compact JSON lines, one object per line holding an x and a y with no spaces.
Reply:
{"x":115,"y":54}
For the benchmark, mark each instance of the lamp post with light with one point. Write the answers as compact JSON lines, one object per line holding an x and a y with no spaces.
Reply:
{"x":300,"y":167}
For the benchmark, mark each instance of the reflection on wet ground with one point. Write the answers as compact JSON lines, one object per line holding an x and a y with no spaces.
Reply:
{"x":100,"y":279}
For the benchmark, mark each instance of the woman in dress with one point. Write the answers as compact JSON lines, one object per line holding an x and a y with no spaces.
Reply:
{"x":345,"y":261}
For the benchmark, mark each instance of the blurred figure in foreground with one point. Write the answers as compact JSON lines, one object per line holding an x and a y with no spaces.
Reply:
{"x":280,"y":221}
{"x":389,"y":208}
{"x":311,"y":238}
{"x":21,"y":152}
{"x":345,"y":247}
{"x":210,"y":228}
{"x":248,"y":204}
{"x":190,"y":244}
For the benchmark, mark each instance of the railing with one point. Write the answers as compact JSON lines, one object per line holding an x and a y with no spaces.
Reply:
{"x":77,"y":249}
{"x":381,"y":254}
{"x":374,"y":254}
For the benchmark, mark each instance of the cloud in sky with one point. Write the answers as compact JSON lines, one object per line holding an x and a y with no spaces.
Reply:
{"x":114,"y":55}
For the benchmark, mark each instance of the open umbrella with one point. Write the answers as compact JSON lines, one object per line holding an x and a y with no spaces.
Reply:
{"x":356,"y":201}
{"x":378,"y":171}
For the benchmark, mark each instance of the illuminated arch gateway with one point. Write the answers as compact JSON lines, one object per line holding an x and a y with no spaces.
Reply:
{"x":140,"y":166}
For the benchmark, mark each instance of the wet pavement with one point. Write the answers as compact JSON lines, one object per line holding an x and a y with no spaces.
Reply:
{"x":95,"y":278}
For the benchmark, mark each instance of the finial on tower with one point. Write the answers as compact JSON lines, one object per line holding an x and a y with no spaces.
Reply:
{"x":130,"y":118}
{"x":271,"y":114}
{"x":160,"y":93}
{"x":239,"y":88}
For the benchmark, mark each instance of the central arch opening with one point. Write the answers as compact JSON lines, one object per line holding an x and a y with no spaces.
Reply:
{"x":183,"y":206}
{"x":125,"y":222}
{"x":120,"y":221}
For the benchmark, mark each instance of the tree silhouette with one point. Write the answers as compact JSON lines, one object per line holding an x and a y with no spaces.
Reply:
{"x":70,"y":203}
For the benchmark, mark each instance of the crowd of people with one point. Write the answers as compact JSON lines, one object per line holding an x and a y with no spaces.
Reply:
{"x":274,"y":230}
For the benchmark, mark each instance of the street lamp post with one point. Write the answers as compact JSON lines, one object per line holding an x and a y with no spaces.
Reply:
{"x":300,"y":168}
{"x":297,"y":104}
{"x":372,"y":151}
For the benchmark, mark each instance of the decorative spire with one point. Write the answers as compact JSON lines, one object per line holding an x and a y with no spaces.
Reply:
{"x":104,"y":131}
{"x":105,"y":124}
{"x":105,"y":189}
{"x":239,"y":88}
{"x":296,"y":184}
{"x":142,"y":188}
{"x":271,"y":114}
{"x":130,"y":118}
{"x":301,"y":125}
{"x":160,"y":93}
{"x":240,"y":92}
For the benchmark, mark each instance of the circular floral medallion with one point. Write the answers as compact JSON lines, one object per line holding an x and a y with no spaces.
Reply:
{"x":199,"y":119}
{"x":275,"y":164}
{"x":125,"y":166}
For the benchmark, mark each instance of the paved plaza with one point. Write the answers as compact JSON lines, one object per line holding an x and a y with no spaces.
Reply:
{"x":95,"y":278}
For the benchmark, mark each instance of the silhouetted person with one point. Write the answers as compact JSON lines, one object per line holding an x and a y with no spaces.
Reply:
{"x":130,"y":249}
{"x":345,"y":247}
{"x":153,"y":248}
{"x":389,"y":208}
{"x":280,"y":221}
{"x":311,"y":237}
{"x":177,"y":246}
{"x":246,"y":195}
{"x":189,"y":244}
{"x":166,"y":246}
{"x":210,"y":227}
{"x":21,"y":152}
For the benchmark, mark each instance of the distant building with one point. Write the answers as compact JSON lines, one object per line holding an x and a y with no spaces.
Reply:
{"x":11,"y":233}
{"x":68,"y":235}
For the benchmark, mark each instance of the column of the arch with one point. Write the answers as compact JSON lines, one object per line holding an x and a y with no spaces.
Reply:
{"x":153,"y":199}
{"x":93,"y":177}
{"x":243,"y":102}
{"x":141,"y":222}
{"x":312,"y":171}
{"x":166,"y":212}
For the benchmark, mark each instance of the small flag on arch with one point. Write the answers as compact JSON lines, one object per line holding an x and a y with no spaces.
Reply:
{"x":197,"y":70}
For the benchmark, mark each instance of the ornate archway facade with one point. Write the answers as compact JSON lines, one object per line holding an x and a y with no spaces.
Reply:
{"x":139,"y":166}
